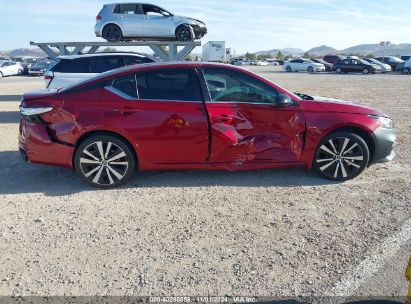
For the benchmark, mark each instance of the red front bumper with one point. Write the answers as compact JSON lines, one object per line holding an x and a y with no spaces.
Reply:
{"x":37,"y":147}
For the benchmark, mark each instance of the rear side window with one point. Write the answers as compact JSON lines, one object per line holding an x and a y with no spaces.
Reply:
{"x":79,"y":65}
{"x":128,"y":9}
{"x":126,"y":85}
{"x":169,"y":84}
{"x":101,"y":64}
{"x":130,"y":60}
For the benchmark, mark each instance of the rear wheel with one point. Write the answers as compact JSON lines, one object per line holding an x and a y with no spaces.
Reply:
{"x":406,"y":70}
{"x":1,"y":75}
{"x":20,"y":72}
{"x":310,"y":69}
{"x":338,"y":70}
{"x":288,"y":68}
{"x":104,"y":161}
{"x":341,"y":156}
{"x":365,"y":71}
{"x":112,"y":33}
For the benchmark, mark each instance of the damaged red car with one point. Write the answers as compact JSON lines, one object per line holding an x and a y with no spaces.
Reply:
{"x":196,"y":116}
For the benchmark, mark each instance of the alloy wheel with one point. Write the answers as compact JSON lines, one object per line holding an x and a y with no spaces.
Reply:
{"x":341,"y":158}
{"x":184,"y":34}
{"x":365,"y":71}
{"x":310,"y":69}
{"x":112,"y":33}
{"x":104,"y":163}
{"x":338,"y":70}
{"x":288,"y":68}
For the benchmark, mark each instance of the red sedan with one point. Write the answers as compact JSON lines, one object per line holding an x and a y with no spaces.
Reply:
{"x":196,"y":116}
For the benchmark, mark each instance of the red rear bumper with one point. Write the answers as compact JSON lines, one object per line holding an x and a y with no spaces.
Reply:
{"x":37,"y":147}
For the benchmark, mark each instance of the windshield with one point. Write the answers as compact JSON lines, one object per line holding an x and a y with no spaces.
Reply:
{"x":363,"y":61}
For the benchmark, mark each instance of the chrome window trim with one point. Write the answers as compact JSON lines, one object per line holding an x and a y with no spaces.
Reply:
{"x":125,"y":96}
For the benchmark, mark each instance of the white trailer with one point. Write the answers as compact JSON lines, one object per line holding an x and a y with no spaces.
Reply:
{"x":214,"y":51}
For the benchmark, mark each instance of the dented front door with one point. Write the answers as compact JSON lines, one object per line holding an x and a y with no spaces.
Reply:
{"x":245,"y":124}
{"x":254,"y":133}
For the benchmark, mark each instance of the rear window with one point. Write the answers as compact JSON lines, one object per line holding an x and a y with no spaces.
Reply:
{"x":130,"y":60}
{"x":79,"y":65}
{"x":169,"y":84}
{"x":102,"y":64}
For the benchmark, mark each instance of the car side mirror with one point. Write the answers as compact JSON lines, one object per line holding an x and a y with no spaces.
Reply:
{"x":283,"y":100}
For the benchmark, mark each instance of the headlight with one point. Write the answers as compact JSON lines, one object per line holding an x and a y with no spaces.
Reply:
{"x":385,"y":122}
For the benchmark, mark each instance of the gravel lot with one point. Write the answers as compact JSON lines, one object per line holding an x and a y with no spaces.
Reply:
{"x":273,"y":232}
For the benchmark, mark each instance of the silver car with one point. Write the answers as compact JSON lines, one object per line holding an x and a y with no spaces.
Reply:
{"x":133,"y":21}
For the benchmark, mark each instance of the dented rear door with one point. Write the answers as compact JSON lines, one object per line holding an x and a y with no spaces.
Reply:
{"x":250,"y":131}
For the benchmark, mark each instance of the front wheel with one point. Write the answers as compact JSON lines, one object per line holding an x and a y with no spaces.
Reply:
{"x":20,"y":72}
{"x":1,"y":75}
{"x":104,"y":161}
{"x":365,"y":71}
{"x":310,"y":69}
{"x":341,"y":156}
{"x":288,"y":68}
{"x":185,"y":33}
{"x":338,"y":70}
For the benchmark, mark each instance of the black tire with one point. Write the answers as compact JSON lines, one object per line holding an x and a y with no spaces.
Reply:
{"x":310,"y":69}
{"x":341,"y":156}
{"x":288,"y":68}
{"x":112,"y":33}
{"x":406,"y":70}
{"x":185,"y":33}
{"x":338,"y":70}
{"x":1,"y":75}
{"x":365,"y":71}
{"x":20,"y":72}
{"x":104,"y":161}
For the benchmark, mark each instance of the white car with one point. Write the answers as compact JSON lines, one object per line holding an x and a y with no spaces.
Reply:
{"x":10,"y":68}
{"x":75,"y":68}
{"x":302,"y":64}
{"x":262,"y":63}
{"x":384,"y":67}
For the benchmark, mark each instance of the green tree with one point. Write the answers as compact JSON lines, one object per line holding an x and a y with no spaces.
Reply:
{"x":306,"y":55}
{"x":250,"y":56}
{"x":370,"y":56}
{"x":279,"y":56}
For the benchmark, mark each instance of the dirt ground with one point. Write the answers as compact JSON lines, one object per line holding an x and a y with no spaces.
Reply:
{"x":272,"y":232}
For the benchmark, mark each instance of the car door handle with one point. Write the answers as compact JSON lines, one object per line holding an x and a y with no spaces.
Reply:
{"x":223,"y":118}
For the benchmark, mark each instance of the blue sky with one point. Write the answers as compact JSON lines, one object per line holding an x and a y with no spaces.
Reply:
{"x":246,"y":25}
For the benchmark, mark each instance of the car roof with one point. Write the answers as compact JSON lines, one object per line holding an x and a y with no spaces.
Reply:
{"x":70,"y":57}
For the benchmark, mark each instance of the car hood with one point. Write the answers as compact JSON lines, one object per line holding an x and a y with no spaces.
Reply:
{"x":189,"y":19}
{"x":328,"y":104}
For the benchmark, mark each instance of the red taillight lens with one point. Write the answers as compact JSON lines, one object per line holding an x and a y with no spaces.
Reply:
{"x":48,"y":77}
{"x":99,"y":18}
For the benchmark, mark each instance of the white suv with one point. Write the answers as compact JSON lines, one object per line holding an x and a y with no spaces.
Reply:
{"x":75,"y":68}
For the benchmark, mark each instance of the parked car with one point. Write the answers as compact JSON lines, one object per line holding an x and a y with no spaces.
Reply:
{"x":27,"y":63}
{"x":390,"y":60}
{"x":405,"y":57}
{"x":262,"y":63}
{"x":355,"y":66}
{"x":164,"y":117}
{"x":74,"y":68}
{"x":41,"y":67}
{"x":333,"y":58}
{"x":10,"y":68}
{"x":132,"y":21}
{"x":407,"y":66}
{"x":384,"y":67}
{"x":302,"y":64}
{"x":328,"y":66}
{"x":4,"y":58}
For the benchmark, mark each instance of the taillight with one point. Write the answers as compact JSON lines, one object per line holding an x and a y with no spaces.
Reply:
{"x":33,"y":114}
{"x":99,"y":17}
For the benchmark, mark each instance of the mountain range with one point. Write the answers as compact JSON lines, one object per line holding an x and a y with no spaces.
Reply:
{"x":362,"y":49}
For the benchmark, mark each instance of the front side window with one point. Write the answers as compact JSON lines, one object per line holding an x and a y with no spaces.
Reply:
{"x":169,"y":84}
{"x":102,"y":64}
{"x":126,"y":85}
{"x":227,"y":85}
